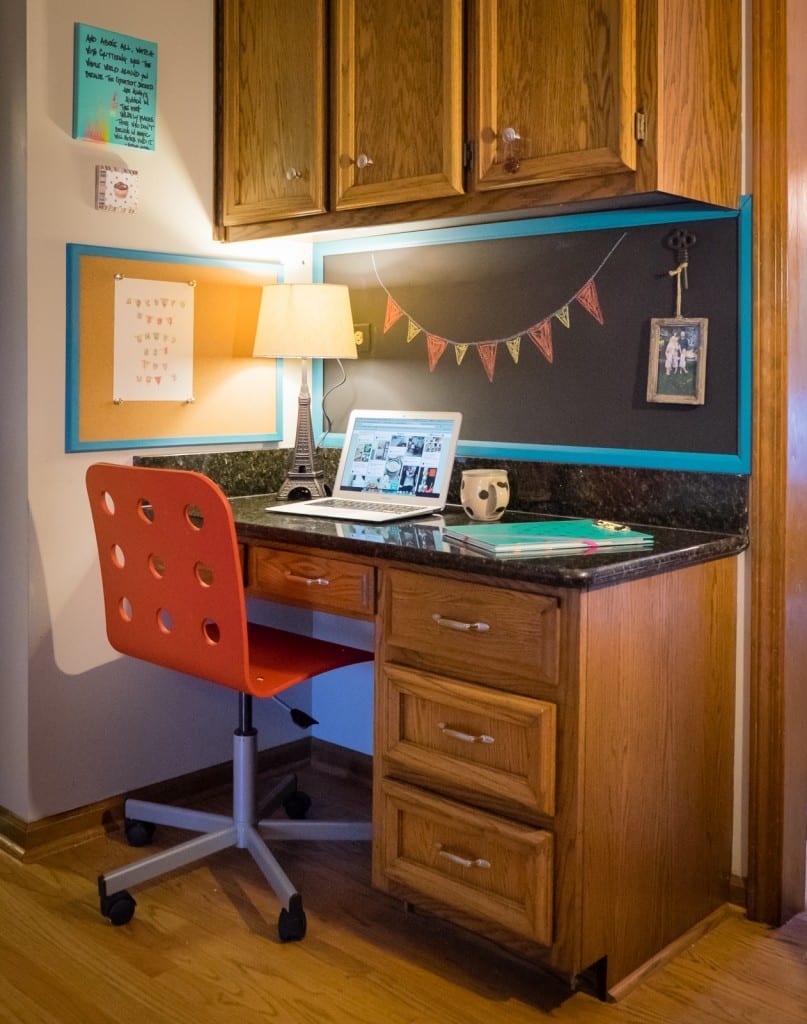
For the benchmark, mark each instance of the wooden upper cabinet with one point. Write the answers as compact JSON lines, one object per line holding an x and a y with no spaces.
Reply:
{"x":553,"y":90}
{"x":272,"y":128}
{"x":689,"y":78}
{"x":396,"y":101}
{"x":337,"y":114}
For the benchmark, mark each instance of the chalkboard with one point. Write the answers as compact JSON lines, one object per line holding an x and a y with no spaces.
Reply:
{"x":538,"y":331}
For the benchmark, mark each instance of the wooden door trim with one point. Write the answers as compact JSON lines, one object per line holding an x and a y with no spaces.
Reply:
{"x":777,"y":765}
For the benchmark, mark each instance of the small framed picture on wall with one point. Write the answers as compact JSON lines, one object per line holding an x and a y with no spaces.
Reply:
{"x":676,"y":370}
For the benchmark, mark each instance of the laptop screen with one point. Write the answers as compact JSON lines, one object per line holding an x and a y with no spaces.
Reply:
{"x":403,"y":455}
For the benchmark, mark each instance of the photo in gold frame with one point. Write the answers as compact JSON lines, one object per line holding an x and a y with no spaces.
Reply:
{"x":676,"y":370}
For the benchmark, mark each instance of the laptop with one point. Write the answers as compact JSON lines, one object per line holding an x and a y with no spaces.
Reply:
{"x":394,"y":465}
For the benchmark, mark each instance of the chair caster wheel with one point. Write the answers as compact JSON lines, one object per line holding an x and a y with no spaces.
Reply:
{"x":138,"y":833}
{"x":291,"y":923}
{"x":119,"y":907}
{"x":297,"y":805}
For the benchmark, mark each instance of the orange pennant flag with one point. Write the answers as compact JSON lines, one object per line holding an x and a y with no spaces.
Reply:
{"x":437,"y":347}
{"x":541,"y":335}
{"x":394,"y":312}
{"x":487,"y":354}
{"x":589,"y":300}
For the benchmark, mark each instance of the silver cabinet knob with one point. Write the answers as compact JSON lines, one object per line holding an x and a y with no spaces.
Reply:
{"x":362,"y":161}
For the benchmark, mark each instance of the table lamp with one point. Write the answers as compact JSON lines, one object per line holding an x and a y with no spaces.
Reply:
{"x":305,"y":321}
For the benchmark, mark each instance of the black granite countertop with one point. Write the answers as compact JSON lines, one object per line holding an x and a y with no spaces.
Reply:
{"x":420,"y":542}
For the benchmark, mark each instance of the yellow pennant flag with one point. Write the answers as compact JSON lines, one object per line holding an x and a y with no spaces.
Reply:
{"x":459,"y":352}
{"x":563,"y":316}
{"x":513,"y":346}
{"x":412,"y":331}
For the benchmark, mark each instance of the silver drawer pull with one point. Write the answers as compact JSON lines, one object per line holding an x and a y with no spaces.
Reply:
{"x":466,"y":627}
{"x":462,"y":861}
{"x":466,"y":737}
{"x":310,"y":581}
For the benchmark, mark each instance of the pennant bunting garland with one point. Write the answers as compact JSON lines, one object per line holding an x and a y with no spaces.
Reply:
{"x":437,"y":347}
{"x":540,"y":333}
{"x":589,"y":300}
{"x":394,"y":312}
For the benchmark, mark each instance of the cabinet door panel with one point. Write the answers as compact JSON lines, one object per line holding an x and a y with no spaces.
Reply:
{"x":397,"y":101}
{"x":272,"y":109}
{"x":560,"y":77}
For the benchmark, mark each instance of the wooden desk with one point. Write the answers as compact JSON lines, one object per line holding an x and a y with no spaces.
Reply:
{"x":553,"y":738}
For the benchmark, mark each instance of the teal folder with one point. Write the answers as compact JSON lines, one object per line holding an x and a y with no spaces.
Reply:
{"x":545,"y":536}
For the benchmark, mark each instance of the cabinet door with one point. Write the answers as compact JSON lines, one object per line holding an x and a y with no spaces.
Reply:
{"x":397,"y":101}
{"x":272,"y":109}
{"x":553,"y":90}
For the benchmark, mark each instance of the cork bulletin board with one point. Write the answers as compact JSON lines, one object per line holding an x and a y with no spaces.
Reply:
{"x":234,"y":398}
{"x":540,"y":332}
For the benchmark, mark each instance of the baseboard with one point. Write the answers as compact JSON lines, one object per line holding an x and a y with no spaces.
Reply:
{"x":28,"y":841}
{"x":664,"y":956}
{"x":329,"y":757}
{"x":738,"y":893}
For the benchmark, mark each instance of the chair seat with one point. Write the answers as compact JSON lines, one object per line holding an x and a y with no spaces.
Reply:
{"x":279,"y":659}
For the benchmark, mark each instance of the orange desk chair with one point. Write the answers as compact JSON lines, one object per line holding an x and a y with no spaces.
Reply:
{"x":173,"y":595}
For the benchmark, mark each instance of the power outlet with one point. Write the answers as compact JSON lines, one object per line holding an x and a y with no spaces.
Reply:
{"x":364,"y":339}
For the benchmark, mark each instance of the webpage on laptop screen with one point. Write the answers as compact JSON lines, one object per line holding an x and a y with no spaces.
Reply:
{"x":407,"y":458}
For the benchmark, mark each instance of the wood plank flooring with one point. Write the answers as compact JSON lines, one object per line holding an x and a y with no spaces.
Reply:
{"x":203,"y":949}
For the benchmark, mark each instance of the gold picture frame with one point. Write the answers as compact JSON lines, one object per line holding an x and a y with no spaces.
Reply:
{"x":676,"y":370}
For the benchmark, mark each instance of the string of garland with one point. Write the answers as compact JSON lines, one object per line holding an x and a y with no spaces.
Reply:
{"x":539,"y":333}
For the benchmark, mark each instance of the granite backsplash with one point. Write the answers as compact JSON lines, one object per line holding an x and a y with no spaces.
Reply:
{"x":716,"y":502}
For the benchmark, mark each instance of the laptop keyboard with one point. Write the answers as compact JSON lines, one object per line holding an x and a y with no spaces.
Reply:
{"x":355,"y":505}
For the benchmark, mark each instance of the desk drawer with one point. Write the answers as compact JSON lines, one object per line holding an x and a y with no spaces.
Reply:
{"x":504,"y":638}
{"x":312,"y":581}
{"x":496,"y":749}
{"x":477,"y":863}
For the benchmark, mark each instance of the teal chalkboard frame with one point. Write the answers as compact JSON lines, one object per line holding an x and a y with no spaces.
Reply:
{"x":736,"y":461}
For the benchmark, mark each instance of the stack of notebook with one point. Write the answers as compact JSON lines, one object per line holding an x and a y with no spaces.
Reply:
{"x":542,"y":537}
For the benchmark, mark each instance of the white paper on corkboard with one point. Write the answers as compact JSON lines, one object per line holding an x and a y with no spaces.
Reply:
{"x":153,"y":341}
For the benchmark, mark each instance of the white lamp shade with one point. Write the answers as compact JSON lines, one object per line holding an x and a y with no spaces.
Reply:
{"x":305,"y":321}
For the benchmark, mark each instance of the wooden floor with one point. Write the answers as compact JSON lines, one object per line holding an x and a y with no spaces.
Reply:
{"x":203,"y":947}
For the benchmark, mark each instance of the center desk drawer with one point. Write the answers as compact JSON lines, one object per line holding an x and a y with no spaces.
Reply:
{"x":473,"y":742}
{"x":508,"y":639}
{"x":481,"y":865}
{"x":311,"y":581}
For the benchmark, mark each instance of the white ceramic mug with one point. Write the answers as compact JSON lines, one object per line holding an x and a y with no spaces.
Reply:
{"x":484,"y":493}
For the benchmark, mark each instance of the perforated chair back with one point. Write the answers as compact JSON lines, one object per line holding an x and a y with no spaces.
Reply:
{"x":171,"y":571}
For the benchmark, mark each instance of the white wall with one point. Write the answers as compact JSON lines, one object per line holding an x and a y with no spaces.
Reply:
{"x":94,"y":724}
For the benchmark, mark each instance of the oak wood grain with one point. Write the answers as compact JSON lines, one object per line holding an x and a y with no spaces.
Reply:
{"x":397,"y":100}
{"x":271,"y":104}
